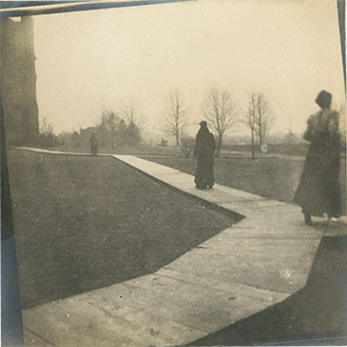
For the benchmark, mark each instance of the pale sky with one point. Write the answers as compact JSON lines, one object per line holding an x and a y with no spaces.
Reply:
{"x":89,"y":61}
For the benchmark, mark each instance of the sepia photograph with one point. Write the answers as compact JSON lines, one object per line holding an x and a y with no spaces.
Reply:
{"x":173,"y":173}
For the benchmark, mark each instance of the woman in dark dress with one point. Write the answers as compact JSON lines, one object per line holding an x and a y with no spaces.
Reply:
{"x":319,"y":189}
{"x":204,"y":148}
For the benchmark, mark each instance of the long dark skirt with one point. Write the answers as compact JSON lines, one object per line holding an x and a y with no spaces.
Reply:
{"x":204,"y":175}
{"x":319,"y":188}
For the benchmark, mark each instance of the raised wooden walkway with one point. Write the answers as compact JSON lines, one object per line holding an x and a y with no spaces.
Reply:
{"x":258,"y":262}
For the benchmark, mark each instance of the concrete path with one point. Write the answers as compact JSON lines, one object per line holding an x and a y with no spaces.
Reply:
{"x":258,"y":262}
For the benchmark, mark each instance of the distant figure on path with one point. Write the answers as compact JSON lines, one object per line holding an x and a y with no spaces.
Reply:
{"x":319,"y":189}
{"x":204,"y":148}
{"x":94,"y":144}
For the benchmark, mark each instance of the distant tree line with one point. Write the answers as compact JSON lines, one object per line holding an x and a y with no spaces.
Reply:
{"x":222,"y":114}
{"x":112,"y":128}
{"x":47,"y":138}
{"x":123,"y":126}
{"x":118,"y":129}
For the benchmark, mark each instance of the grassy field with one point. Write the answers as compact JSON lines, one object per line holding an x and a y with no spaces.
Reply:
{"x":271,"y":177}
{"x":82,"y":223}
{"x":274,"y":178}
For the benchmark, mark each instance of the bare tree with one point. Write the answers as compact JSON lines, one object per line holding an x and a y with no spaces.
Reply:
{"x":258,"y":118}
{"x":47,"y":137}
{"x":176,"y":113}
{"x":121,"y":128}
{"x":107,"y":124}
{"x":130,"y":114}
{"x":220,"y":111}
{"x":46,"y":127}
{"x":108,"y":120}
{"x":250,"y":117}
{"x":134,"y":123}
{"x":263,"y":118}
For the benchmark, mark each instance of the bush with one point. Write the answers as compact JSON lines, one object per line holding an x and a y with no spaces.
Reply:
{"x":48,"y":140}
{"x":187,"y":146}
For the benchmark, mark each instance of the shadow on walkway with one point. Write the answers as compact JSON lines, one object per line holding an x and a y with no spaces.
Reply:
{"x":315,"y":315}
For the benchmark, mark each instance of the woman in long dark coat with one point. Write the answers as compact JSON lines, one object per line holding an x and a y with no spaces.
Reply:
{"x":319,"y":189}
{"x":204,"y":148}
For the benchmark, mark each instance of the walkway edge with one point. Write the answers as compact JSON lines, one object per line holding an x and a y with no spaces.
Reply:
{"x":245,"y":269}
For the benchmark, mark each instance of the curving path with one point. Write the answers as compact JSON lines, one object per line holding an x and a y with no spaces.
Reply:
{"x":258,"y":262}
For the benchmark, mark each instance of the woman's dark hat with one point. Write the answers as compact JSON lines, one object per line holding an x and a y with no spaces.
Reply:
{"x":203,"y":124}
{"x":324,"y":99}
